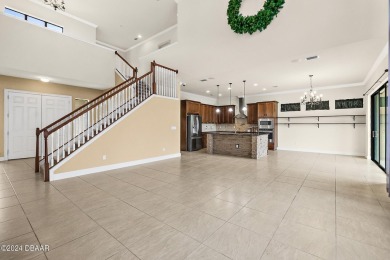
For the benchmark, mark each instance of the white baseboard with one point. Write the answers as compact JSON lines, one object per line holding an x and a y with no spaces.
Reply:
{"x":2,"y":159}
{"x":66,"y":175}
{"x":320,"y":151}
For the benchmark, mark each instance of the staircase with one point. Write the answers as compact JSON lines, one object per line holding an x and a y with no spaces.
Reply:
{"x":57,"y":141}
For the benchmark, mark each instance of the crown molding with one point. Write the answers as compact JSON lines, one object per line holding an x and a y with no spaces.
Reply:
{"x":152,"y":37}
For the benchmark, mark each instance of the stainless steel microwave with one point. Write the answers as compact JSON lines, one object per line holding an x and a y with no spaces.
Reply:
{"x":266,"y":123}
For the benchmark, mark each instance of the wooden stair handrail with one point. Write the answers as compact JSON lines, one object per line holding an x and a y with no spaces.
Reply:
{"x":83,"y":106}
{"x":134,"y":68}
{"x":89,"y":108}
{"x":86,"y":108}
{"x":165,"y":67}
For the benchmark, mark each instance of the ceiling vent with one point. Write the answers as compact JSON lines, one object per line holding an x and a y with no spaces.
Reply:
{"x":312,"y":57}
{"x":164,"y":44}
{"x":203,"y":80}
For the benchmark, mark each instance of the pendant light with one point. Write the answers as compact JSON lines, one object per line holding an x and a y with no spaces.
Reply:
{"x":311,"y":98}
{"x":230,"y":108}
{"x":218,"y":110}
{"x":244,"y":108}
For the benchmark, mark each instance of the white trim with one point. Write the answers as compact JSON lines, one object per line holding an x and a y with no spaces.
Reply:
{"x":2,"y":159}
{"x":112,"y":47}
{"x":65,"y":175}
{"x":152,"y":37}
{"x":320,"y":151}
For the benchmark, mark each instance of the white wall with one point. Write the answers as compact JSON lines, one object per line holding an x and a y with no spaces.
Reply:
{"x":335,"y":139}
{"x":202,"y":99}
{"x":32,"y":50}
{"x":139,"y":54}
{"x":72,"y":27}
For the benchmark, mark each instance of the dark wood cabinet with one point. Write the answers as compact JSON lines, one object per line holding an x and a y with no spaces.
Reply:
{"x":252,"y":113}
{"x":267,"y":109}
{"x":193,"y":107}
{"x":225,"y":116}
{"x":204,"y":113}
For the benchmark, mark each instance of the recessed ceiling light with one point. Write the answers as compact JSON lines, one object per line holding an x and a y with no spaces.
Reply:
{"x":220,"y":94}
{"x":264,"y":89}
{"x":139,"y":36}
{"x":207,"y":91}
{"x":45,"y":80}
{"x":229,"y":88}
{"x":255,"y":85}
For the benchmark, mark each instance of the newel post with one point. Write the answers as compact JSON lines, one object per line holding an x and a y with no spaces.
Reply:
{"x":37,"y":132}
{"x":135,"y":71}
{"x":153,"y":68}
{"x":46,"y":173}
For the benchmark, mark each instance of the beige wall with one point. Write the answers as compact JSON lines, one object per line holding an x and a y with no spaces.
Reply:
{"x":118,"y":79}
{"x":7,"y":82}
{"x":145,"y":133}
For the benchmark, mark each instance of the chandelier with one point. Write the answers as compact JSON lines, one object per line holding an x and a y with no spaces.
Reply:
{"x":56,"y":4}
{"x":311,"y":98}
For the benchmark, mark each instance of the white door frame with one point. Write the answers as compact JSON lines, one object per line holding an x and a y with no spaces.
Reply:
{"x":6,"y":119}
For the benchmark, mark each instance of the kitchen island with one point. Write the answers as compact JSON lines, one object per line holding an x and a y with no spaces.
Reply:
{"x":241,"y":144}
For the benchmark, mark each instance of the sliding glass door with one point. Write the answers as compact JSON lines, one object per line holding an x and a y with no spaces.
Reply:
{"x":378,"y":126}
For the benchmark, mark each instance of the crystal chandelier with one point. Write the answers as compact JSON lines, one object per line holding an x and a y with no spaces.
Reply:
{"x":56,"y":4}
{"x":311,"y":99}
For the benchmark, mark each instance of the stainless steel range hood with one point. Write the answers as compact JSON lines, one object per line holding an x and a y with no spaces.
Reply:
{"x":241,"y":104}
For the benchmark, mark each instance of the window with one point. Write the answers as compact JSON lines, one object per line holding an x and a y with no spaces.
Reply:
{"x":33,"y":20}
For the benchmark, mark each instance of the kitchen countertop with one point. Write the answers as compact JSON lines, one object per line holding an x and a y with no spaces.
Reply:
{"x":234,"y":133}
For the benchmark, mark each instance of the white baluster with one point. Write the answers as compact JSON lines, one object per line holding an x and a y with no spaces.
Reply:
{"x":69,"y":135}
{"x":105,"y":113}
{"x":58,"y":145}
{"x":63,"y":142}
{"x":79,"y":131}
{"x":52,"y":150}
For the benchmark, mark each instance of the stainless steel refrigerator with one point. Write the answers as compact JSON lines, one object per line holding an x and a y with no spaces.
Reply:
{"x":194,"y":133}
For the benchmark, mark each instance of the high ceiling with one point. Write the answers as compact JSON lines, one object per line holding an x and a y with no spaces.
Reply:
{"x":348,"y":36}
{"x":120,"y":21}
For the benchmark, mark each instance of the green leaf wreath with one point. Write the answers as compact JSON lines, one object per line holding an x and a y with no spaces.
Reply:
{"x":250,"y":24}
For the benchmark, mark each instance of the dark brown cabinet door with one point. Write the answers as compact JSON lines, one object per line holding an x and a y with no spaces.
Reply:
{"x":267,"y":109}
{"x":252,"y":113}
{"x":193,"y":107}
{"x":203,"y":113}
{"x":262,"y":109}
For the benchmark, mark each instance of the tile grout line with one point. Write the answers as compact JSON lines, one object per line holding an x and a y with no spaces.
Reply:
{"x":85,"y":213}
{"x":24,"y":212}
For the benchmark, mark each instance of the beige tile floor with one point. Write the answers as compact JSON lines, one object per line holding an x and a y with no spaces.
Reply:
{"x":289,"y":205}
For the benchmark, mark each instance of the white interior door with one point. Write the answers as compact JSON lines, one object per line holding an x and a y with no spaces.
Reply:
{"x":28,"y":111}
{"x":54,"y":107}
{"x":24,"y":116}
